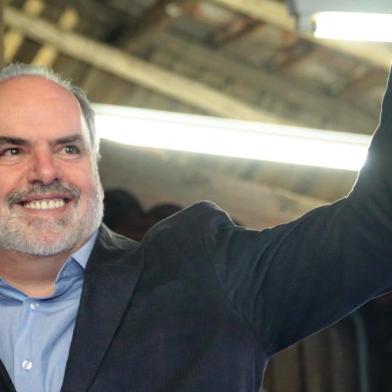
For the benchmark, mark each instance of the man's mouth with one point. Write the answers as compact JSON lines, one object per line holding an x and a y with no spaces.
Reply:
{"x":44,"y":198}
{"x":47,"y":204}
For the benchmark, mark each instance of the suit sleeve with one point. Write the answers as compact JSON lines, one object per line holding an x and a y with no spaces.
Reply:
{"x":297,"y":278}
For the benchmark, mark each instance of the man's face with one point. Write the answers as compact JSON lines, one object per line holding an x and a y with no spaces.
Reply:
{"x":50,"y":193}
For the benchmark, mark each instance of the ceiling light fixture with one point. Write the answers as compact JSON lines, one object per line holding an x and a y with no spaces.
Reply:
{"x":355,"y":20}
{"x":353,"y":26}
{"x":231,"y":138}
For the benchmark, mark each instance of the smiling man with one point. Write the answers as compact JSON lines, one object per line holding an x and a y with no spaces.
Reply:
{"x":51,"y":197}
{"x":51,"y":204}
{"x":200,"y":304}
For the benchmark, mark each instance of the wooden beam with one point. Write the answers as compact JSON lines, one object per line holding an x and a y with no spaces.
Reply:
{"x":276,"y":13}
{"x":104,"y":15}
{"x":135,"y":70}
{"x":233,"y":30}
{"x":13,"y":39}
{"x":371,"y":79}
{"x":155,"y":19}
{"x":316,"y":108}
{"x":47,"y":54}
{"x":290,"y":54}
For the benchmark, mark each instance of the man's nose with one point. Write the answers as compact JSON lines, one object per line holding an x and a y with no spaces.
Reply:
{"x":43,"y":168}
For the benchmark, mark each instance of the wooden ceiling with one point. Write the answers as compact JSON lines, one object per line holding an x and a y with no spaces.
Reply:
{"x":231,"y":58}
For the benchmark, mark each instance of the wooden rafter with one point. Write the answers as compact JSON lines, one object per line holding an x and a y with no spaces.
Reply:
{"x":237,"y":28}
{"x":103,"y":14}
{"x":318,"y":106}
{"x":290,"y":54}
{"x":135,"y":70}
{"x":155,"y":19}
{"x":370,"y":79}
{"x":13,"y":39}
{"x":47,"y":54}
{"x":275,"y":13}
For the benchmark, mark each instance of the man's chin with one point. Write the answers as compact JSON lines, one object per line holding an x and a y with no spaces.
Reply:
{"x":48,"y":237}
{"x":42,"y":248}
{"x":43,"y":243}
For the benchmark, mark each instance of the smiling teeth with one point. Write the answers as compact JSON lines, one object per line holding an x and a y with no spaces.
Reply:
{"x":45,"y":204}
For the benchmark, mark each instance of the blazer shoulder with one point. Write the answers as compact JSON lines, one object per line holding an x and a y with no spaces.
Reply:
{"x":203,"y":217}
{"x":110,"y":240}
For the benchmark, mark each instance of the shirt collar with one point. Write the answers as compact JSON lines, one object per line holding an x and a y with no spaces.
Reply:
{"x":72,"y":269}
{"x":82,"y":255}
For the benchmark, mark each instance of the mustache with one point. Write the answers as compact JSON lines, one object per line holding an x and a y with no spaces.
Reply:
{"x":39,"y":189}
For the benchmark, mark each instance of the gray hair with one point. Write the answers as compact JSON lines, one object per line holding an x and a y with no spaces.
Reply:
{"x":18,"y":69}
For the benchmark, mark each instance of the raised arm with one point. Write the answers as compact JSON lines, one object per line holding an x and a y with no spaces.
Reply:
{"x":297,"y":278}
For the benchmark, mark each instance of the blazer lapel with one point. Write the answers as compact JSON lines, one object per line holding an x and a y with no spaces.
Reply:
{"x":110,"y":279}
{"x":5,"y":380}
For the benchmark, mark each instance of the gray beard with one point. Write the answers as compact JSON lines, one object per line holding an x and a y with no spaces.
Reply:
{"x":35,"y":236}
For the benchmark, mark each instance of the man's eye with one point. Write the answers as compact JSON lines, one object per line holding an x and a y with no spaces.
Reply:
{"x":12,"y":151}
{"x":72,"y":150}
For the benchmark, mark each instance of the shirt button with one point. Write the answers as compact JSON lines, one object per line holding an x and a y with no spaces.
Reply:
{"x":27,"y":365}
{"x":34,"y":305}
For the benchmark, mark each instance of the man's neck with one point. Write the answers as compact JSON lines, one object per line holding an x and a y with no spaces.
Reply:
{"x":33,"y":275}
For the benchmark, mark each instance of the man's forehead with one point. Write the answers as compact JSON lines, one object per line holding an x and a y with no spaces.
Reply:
{"x":35,"y":100}
{"x":29,"y":79}
{"x":25,"y":88}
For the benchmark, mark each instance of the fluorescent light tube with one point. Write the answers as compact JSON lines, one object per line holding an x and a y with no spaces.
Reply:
{"x":353,"y":26}
{"x":232,"y":138}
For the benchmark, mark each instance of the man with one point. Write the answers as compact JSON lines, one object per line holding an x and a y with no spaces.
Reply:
{"x":51,"y":205}
{"x":200,"y":304}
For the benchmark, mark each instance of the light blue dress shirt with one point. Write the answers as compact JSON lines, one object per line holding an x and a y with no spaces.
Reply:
{"x":36,"y":333}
